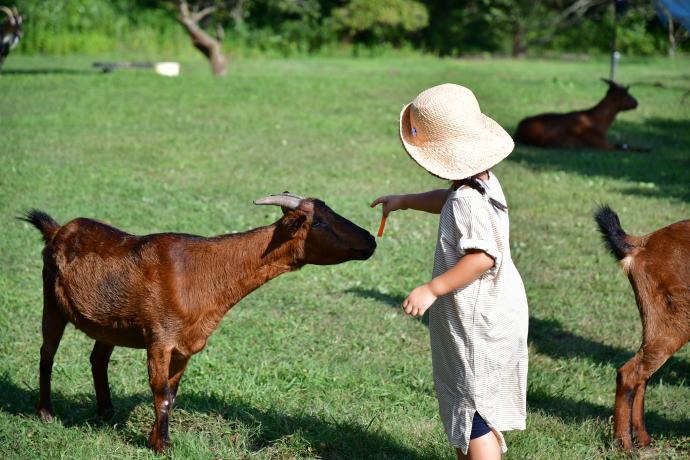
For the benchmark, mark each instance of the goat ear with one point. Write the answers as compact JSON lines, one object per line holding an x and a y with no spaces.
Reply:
{"x":294,"y":222}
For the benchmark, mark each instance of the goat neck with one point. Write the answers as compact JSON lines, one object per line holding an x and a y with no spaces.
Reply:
{"x":229,"y":267}
{"x":603,"y":114}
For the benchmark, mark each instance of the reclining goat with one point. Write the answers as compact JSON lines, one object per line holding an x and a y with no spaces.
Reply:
{"x":581,"y":129}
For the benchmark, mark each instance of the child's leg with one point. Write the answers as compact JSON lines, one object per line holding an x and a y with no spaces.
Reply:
{"x":483,"y":442}
{"x":485,"y":447}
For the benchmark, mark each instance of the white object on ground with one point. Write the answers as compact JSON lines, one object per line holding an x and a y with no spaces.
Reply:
{"x":169,"y":69}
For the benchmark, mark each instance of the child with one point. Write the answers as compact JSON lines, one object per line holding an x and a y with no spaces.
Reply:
{"x":478,"y":323}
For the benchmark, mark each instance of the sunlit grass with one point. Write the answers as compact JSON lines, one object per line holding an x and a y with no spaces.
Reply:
{"x":321,"y":363}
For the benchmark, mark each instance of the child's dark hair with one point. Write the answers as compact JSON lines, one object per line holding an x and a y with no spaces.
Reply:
{"x":473,"y":183}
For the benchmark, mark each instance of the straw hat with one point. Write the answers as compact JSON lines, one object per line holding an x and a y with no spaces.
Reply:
{"x":444,"y":131}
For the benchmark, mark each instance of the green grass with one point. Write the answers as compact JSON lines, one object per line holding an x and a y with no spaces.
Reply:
{"x":321,"y":363}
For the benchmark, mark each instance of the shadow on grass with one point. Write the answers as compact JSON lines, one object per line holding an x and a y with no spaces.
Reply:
{"x":663,"y":172}
{"x":393,"y":301}
{"x":572,"y":411}
{"x":56,"y":71}
{"x":549,"y":337}
{"x":330,"y":439}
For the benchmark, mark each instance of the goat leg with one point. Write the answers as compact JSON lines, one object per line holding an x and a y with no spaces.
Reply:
{"x":158,"y":364}
{"x":633,"y":375}
{"x":53,"y":326}
{"x":100,"y":356}
{"x":178,"y":364}
{"x":624,"y":397}
{"x":638,"y":426}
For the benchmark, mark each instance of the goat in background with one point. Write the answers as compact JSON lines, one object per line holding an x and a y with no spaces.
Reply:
{"x":581,"y":129}
{"x":10,"y":32}
{"x":658,"y":267}
{"x":167,"y":292}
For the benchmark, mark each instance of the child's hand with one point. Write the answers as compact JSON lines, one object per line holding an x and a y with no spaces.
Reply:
{"x":419,"y":300}
{"x":390,"y":203}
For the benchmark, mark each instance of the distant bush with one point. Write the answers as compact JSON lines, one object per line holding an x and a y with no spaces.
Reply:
{"x":97,"y":26}
{"x":335,"y":27}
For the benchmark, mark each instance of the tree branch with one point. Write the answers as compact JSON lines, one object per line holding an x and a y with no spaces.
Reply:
{"x":565,"y":19}
{"x":199,"y":15}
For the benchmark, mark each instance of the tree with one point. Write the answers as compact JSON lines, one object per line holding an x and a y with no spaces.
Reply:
{"x":676,"y":33}
{"x":533,"y":23}
{"x":382,"y":20}
{"x":193,"y":20}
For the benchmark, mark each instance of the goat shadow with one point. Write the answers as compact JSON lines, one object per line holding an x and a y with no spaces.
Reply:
{"x":329,"y":439}
{"x":48,"y":71}
{"x":549,"y":337}
{"x":579,"y":411}
{"x":664,"y":172}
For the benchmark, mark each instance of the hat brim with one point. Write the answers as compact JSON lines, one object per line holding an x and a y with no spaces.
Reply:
{"x":458,"y":158}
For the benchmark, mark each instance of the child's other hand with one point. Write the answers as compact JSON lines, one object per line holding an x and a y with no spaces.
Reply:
{"x":390,"y":203}
{"x":419,"y":300}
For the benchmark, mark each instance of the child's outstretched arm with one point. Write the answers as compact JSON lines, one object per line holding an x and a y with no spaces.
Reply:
{"x":431,"y":201}
{"x":469,"y":268}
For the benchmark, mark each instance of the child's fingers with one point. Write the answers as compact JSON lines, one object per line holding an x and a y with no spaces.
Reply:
{"x":406,"y":305}
{"x":378,"y":201}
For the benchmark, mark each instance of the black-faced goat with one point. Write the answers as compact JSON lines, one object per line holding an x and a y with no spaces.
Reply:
{"x":167,"y":292}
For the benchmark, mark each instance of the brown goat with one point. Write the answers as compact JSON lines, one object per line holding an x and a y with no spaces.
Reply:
{"x":658,"y":267}
{"x":167,"y":292}
{"x":581,"y":129}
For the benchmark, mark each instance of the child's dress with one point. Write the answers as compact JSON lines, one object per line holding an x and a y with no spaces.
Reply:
{"x":479,"y":333}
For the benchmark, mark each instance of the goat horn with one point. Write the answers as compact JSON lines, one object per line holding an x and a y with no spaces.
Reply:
{"x":9,"y":14}
{"x":285,"y":199}
{"x":610,"y":82}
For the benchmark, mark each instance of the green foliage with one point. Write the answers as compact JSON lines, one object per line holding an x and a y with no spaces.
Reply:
{"x":640,"y":32}
{"x":382,"y":20}
{"x":286,"y":26}
{"x":298,"y":27}
{"x":97,"y":26}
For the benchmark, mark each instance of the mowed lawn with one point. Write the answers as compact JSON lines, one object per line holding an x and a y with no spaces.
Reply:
{"x":321,"y":363}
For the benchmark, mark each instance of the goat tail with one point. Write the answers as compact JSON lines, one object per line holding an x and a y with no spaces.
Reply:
{"x":43,"y":222}
{"x":611,"y":231}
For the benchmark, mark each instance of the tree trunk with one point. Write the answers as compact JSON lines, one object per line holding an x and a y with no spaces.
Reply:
{"x":518,"y":42}
{"x":209,"y":46}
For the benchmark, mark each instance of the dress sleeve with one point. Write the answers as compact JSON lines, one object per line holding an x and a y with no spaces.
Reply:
{"x":476,"y":228}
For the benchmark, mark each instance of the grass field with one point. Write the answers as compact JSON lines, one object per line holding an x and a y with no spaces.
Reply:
{"x":321,"y":363}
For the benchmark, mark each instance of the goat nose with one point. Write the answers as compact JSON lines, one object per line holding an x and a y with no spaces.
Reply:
{"x":372,"y":243}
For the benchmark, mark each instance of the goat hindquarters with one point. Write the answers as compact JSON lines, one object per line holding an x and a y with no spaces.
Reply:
{"x":659,"y":273}
{"x":659,"y":343}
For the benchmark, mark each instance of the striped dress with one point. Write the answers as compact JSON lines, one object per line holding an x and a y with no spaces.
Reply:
{"x":479,"y":333}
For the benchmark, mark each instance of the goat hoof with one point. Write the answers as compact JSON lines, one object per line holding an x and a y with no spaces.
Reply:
{"x":46,"y":413}
{"x":624,"y":442}
{"x":158,"y":445}
{"x":643,"y":439}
